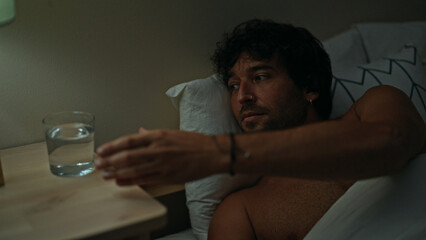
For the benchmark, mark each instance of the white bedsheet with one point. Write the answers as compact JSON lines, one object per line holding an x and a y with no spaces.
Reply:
{"x":392,"y":207}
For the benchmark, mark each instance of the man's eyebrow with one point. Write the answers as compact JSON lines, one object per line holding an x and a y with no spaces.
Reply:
{"x":254,"y":69}
{"x":261,"y":67}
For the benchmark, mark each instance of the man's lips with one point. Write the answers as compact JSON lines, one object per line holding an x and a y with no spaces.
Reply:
{"x":250,"y":116}
{"x":252,"y":113}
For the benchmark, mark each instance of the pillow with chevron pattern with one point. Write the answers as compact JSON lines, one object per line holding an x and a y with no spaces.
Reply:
{"x":403,"y":70}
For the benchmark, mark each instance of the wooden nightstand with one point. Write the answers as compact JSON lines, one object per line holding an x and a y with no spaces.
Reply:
{"x":35,"y":204}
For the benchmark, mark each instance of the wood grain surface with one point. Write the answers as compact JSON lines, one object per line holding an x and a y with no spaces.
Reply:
{"x":35,"y":204}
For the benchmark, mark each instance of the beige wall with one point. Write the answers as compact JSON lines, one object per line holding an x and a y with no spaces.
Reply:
{"x":116,"y":58}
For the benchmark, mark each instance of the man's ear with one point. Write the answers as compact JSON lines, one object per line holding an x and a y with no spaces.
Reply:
{"x":310,"y":96}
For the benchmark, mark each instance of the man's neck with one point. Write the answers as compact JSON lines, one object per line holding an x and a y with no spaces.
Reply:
{"x":312,"y":115}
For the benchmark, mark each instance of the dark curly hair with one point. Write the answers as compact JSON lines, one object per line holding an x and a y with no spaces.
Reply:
{"x":301,"y":54}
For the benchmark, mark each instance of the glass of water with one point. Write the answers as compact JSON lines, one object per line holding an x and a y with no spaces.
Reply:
{"x":70,"y":142}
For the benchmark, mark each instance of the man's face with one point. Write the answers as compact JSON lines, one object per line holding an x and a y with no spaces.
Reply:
{"x":263,"y":97}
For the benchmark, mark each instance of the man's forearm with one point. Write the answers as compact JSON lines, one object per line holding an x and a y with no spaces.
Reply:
{"x":336,"y":150}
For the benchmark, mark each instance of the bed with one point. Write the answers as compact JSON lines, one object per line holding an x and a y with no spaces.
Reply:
{"x":366,"y":55}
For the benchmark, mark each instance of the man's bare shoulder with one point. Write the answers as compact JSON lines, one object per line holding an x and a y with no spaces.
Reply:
{"x":384,"y":93}
{"x":387,"y":105}
{"x":230,"y":220}
{"x":382,"y":103}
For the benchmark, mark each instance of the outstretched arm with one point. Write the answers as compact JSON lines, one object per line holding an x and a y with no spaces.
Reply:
{"x":377,"y":136}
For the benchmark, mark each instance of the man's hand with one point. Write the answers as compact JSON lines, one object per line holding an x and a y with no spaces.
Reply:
{"x":155,"y":157}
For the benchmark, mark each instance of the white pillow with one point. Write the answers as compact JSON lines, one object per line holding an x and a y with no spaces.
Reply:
{"x":382,"y":39}
{"x":391,"y":207}
{"x":346,"y":49}
{"x":403,"y":70}
{"x":204,"y":107}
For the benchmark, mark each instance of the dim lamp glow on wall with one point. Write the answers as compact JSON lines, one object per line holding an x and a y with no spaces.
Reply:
{"x":7,"y":11}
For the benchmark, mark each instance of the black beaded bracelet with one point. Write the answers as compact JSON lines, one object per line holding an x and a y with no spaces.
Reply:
{"x":232,"y":155}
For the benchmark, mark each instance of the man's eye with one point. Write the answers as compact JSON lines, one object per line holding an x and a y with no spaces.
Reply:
{"x":260,"y":77}
{"x":233,"y":87}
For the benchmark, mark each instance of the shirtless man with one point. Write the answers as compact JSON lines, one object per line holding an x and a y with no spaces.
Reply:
{"x":279,"y":79}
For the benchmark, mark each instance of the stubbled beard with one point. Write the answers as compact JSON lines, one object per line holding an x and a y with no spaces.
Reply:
{"x":294,"y":121}
{"x":284,"y":120}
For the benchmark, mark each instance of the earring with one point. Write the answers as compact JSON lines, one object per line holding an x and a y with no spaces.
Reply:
{"x":310,"y":101}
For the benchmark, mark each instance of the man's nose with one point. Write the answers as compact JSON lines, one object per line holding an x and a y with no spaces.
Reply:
{"x":246,"y":93}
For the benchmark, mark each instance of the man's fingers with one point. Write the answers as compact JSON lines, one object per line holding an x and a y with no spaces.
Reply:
{"x":124,"y":159}
{"x":137,"y":171}
{"x":120,"y":144}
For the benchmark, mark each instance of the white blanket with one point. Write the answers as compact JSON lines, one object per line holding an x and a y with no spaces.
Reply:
{"x":392,"y":207}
